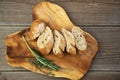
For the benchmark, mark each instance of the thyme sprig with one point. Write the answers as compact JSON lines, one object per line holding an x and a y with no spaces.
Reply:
{"x":41,"y":60}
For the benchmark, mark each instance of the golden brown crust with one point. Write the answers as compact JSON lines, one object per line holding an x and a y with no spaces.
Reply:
{"x":36,"y":28}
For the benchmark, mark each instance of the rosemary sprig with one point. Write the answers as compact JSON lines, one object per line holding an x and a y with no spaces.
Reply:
{"x":43,"y":61}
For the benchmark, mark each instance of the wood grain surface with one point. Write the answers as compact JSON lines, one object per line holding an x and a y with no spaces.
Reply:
{"x":84,"y":12}
{"x":101,"y":18}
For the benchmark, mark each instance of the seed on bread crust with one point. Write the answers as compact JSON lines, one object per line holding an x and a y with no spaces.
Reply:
{"x":36,"y":28}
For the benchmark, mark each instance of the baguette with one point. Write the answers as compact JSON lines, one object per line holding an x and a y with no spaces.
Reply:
{"x":70,"y":42}
{"x":59,"y":44}
{"x":36,"y":28}
{"x":45,"y":41}
{"x":80,"y":40}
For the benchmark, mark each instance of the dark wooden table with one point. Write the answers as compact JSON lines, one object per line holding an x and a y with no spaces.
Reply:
{"x":101,"y":18}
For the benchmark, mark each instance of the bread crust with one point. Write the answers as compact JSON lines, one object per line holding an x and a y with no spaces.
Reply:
{"x":36,"y":28}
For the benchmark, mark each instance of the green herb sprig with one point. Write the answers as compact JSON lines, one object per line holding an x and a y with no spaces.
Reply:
{"x":41,"y":60}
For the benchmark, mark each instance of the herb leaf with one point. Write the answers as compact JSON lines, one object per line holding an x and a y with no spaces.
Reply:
{"x":41,"y":60}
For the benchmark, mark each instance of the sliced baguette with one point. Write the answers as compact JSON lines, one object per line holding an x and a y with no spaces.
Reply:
{"x":59,"y":44}
{"x":80,"y":40}
{"x":36,"y":28}
{"x":45,"y":41}
{"x":70,"y":42}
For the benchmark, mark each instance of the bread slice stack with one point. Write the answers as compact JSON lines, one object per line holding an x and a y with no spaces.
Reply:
{"x":58,"y":41}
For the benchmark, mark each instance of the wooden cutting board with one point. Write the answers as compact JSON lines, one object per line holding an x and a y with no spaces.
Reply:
{"x":73,"y":67}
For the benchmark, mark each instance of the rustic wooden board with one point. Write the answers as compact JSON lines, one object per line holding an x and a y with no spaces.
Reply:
{"x":108,"y":57}
{"x":101,"y":18}
{"x":83,"y":12}
{"x":91,"y":75}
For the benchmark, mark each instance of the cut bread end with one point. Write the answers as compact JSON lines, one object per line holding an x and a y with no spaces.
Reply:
{"x":37,"y":28}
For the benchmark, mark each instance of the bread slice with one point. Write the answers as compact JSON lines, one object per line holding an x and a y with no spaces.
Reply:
{"x":70,"y":42}
{"x":80,"y":40}
{"x":59,"y":44}
{"x":36,"y":28}
{"x":45,"y":41}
